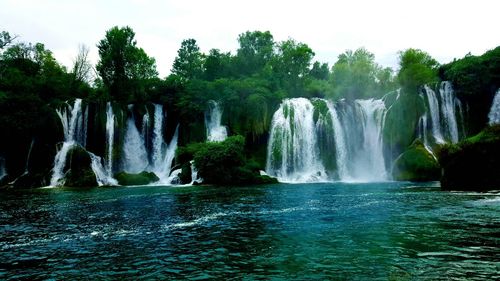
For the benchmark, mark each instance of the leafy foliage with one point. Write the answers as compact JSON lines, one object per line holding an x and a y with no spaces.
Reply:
{"x":416,"y":69}
{"x":189,"y":61}
{"x":225,"y":163}
{"x":356,"y":75}
{"x":124,"y":68}
{"x":475,"y":80}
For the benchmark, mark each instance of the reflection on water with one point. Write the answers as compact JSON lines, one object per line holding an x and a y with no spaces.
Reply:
{"x":395,"y":231}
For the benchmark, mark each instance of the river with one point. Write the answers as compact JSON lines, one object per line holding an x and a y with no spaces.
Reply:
{"x":353,"y":231}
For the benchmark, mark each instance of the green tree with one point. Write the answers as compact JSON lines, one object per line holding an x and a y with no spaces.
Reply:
{"x":416,"y":68}
{"x":291,"y":66}
{"x":217,"y":65}
{"x":6,"y":39}
{"x":355,"y":75}
{"x":320,"y":71}
{"x":255,"y":51}
{"x":124,"y":67}
{"x":189,"y":61}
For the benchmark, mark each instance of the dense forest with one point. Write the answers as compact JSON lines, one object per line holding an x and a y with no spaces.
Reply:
{"x":250,"y":85}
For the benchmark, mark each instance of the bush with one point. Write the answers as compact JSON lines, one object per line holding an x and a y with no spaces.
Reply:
{"x":225,"y":163}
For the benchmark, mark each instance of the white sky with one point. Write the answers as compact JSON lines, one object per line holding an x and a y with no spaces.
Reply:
{"x":446,"y":29}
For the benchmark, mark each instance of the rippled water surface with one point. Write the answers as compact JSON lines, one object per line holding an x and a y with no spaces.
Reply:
{"x":386,"y":231}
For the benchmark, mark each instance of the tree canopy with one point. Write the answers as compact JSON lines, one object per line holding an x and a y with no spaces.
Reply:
{"x":416,"y":68}
{"x":123,"y":67}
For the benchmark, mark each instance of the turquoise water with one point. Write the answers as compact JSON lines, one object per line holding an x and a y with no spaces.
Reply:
{"x":384,"y":231}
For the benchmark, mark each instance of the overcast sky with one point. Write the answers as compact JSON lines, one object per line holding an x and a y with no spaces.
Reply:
{"x":446,"y":29}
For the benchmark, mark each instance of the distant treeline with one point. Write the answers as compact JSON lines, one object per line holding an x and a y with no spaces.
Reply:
{"x":249,"y":83}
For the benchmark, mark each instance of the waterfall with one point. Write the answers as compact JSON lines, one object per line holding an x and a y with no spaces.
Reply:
{"x":163,"y":171}
{"x":135,"y":156}
{"x":213,"y":116}
{"x":110,"y":134}
{"x":60,"y":163}
{"x":158,"y":143}
{"x":369,"y":163}
{"x":293,"y":154}
{"x":434,"y":114}
{"x":340,"y":143}
{"x":363,"y":122}
{"x":145,"y":130}
{"x":449,"y":104}
{"x":3,"y":171}
{"x":442,"y":110}
{"x":494,"y":115}
{"x":26,"y":166}
{"x":73,"y":126}
{"x":194,"y":174}
{"x":162,"y":155}
{"x":102,"y":176}
{"x":356,"y":130}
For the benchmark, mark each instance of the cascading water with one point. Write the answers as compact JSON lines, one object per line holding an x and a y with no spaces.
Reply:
{"x":369,"y":163}
{"x":357,"y":146}
{"x":194,"y":174}
{"x":3,"y":171}
{"x":213,"y":117}
{"x":101,"y":174}
{"x":26,"y":166}
{"x":135,"y":156}
{"x":435,"y":115}
{"x":163,"y":171}
{"x":110,"y":134}
{"x":442,"y":110}
{"x":449,"y":105}
{"x":362,"y":123}
{"x":72,"y":137}
{"x":494,"y":115}
{"x":340,"y":144}
{"x":293,"y":154}
{"x":158,"y":143}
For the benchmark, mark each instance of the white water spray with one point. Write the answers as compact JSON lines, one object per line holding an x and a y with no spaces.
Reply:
{"x":72,"y":137}
{"x":135,"y":156}
{"x":213,"y":117}
{"x":102,"y":176}
{"x":443,"y":111}
{"x":110,"y":135}
{"x":494,"y":115}
{"x":293,"y":154}
{"x":357,"y":132}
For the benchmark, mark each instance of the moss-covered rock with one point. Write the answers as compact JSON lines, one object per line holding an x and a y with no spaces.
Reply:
{"x":473,"y":164}
{"x":78,"y":169}
{"x":404,"y":111}
{"x":416,"y":164}
{"x":142,"y":178}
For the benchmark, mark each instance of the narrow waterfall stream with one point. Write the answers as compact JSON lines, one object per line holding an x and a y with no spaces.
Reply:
{"x":213,"y":117}
{"x":494,"y":115}
{"x":443,"y":110}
